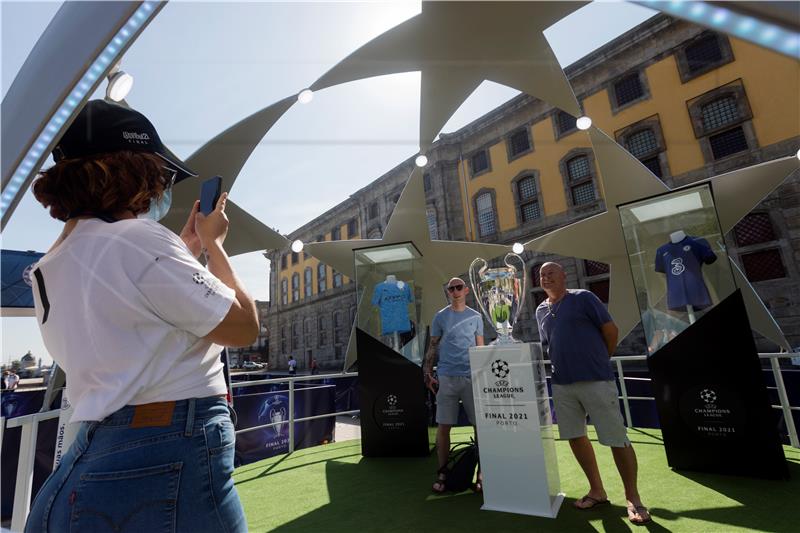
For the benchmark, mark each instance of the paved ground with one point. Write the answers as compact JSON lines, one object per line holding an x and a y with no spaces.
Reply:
{"x":347,"y":428}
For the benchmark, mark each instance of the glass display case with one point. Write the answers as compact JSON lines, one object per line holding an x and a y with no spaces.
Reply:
{"x":390,"y":297}
{"x":678,"y":259}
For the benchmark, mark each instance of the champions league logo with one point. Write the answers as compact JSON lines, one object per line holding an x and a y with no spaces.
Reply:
{"x":273,"y":411}
{"x":677,"y":266}
{"x":391,"y":401}
{"x":708,"y":396}
{"x":500,"y":369}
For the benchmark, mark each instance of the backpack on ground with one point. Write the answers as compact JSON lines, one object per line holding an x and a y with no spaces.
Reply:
{"x":460,"y":467}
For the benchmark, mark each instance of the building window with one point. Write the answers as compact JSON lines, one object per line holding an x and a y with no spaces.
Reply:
{"x":528,"y":199}
{"x":322,"y":336}
{"x":763,"y":265}
{"x":284,"y":291}
{"x":645,"y":142}
{"x":564,"y":123}
{"x":755,"y":228}
{"x":352,"y":228}
{"x":336,"y":234}
{"x":295,"y":258}
{"x":728,"y":143}
{"x":320,"y":238}
{"x":628,"y":89}
{"x":702,"y":54}
{"x":535,"y":281}
{"x":337,"y":279}
{"x":322,"y":283}
{"x":595,"y":268}
{"x":433,"y":225}
{"x":485,"y":214}
{"x":372,"y":211}
{"x":600,"y":289}
{"x":518,"y":143}
{"x":283,"y":262}
{"x":761,"y":260}
{"x":295,"y":287}
{"x":284,"y":340}
{"x":338,"y":328}
{"x":296,"y":336}
{"x":308,"y":282}
{"x":307,"y":337}
{"x":581,"y":185}
{"x":721,"y":122}
{"x":479,"y":162}
{"x":426,"y":182}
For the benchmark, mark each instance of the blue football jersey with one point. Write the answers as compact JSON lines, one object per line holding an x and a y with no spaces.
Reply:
{"x":393,"y":301}
{"x":682,"y":263}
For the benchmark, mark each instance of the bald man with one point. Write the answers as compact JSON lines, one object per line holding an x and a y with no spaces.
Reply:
{"x":580,"y":337}
{"x":454,"y":330}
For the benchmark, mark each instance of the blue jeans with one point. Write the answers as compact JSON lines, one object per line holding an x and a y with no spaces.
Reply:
{"x":146,"y":479}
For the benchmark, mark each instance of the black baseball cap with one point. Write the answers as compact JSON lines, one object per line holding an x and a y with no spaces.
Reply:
{"x":103,"y":127}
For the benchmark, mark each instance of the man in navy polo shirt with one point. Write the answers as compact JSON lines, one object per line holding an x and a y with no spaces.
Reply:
{"x":580,"y":336}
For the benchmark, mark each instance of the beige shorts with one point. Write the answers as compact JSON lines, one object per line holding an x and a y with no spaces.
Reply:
{"x":599,"y":400}
{"x":453,"y":389}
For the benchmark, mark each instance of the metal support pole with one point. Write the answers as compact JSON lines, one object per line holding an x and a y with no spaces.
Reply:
{"x":24,"y":484}
{"x":624,"y":391}
{"x":291,"y":415}
{"x":785,"y":405}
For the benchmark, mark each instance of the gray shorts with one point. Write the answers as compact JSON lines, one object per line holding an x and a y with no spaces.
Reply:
{"x":451,"y":390}
{"x":598,"y":399}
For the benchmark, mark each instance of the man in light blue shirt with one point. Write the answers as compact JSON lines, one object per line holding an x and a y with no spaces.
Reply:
{"x":455,"y":329}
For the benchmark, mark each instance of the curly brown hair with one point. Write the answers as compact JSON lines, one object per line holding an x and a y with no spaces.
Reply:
{"x":102,"y":183}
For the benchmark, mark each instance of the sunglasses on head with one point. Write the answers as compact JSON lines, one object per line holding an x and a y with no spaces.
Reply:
{"x":453,"y":288}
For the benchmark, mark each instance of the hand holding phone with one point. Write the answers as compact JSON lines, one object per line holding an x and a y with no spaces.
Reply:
{"x":210,"y":191}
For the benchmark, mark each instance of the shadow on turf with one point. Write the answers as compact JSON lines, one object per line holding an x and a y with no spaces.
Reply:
{"x":761,"y":504}
{"x":393,"y":494}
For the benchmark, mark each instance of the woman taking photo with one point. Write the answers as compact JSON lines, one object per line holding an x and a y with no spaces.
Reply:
{"x":137,"y":324}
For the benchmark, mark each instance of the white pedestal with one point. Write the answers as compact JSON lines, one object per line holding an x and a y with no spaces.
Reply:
{"x":515,"y":430}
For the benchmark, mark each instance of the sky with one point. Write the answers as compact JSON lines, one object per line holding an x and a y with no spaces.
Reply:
{"x":200,"y":67}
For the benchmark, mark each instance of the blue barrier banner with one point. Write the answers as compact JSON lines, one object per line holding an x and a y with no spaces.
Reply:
{"x":273,"y":407}
{"x":15,"y":272}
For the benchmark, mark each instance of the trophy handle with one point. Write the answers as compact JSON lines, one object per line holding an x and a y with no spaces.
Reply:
{"x":523,"y":290}
{"x":472,"y":283}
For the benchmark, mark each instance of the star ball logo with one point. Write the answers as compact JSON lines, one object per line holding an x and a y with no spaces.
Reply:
{"x":500,"y":369}
{"x":708,"y":396}
{"x":391,"y":401}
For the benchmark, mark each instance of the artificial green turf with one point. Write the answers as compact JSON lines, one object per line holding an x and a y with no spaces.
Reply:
{"x":333,"y":488}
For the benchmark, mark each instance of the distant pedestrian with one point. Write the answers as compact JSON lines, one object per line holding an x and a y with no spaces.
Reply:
{"x":11,"y":380}
{"x":292,"y":366}
{"x":314,"y":367}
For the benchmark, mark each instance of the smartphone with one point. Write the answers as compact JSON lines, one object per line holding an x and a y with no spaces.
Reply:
{"x":209,"y":194}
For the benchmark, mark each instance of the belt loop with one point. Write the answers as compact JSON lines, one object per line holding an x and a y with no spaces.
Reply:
{"x":189,"y":417}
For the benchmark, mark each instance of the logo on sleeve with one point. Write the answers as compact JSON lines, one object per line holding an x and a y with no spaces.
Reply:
{"x":211,"y":284}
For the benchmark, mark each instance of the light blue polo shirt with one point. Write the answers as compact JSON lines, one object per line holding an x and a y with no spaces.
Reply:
{"x":457,"y":330}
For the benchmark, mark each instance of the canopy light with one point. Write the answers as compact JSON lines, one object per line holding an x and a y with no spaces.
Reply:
{"x":297,"y":246}
{"x":305,"y":96}
{"x":421,"y":160}
{"x":583,"y":123}
{"x":119,"y":85}
{"x":517,"y":248}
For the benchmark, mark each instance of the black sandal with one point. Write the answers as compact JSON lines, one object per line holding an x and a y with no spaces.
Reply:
{"x":441,"y":481}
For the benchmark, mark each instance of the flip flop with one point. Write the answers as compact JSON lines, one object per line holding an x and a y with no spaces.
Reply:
{"x":640,"y":510}
{"x":440,"y":485}
{"x":593,"y":502}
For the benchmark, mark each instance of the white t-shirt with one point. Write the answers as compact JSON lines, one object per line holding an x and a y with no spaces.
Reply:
{"x":128,"y":307}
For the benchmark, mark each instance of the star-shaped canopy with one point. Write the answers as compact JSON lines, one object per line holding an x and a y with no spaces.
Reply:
{"x":225,"y":155}
{"x":441,"y":259}
{"x":625,"y":179}
{"x":458,"y":45}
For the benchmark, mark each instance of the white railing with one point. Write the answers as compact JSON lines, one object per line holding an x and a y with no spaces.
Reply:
{"x":30,"y":423}
{"x":291,"y":421}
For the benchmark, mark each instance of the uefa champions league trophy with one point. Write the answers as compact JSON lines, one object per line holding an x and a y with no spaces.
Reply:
{"x":500,"y":294}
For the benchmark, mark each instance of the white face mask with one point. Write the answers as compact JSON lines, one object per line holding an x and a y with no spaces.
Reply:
{"x":159,"y":207}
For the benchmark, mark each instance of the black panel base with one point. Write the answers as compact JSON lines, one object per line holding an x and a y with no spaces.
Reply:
{"x":393,"y":411}
{"x":712,"y":401}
